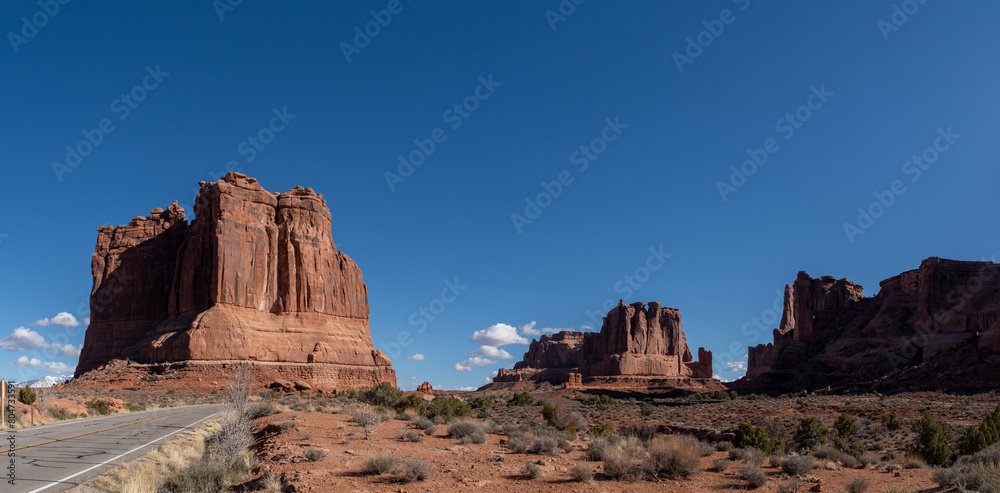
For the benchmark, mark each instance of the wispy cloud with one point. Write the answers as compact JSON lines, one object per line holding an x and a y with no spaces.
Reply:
{"x":56,"y":366}
{"x":492,"y":352}
{"x":415,"y":357}
{"x":473,"y":362}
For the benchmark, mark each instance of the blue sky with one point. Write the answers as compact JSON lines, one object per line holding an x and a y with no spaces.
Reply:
{"x":643,"y":127}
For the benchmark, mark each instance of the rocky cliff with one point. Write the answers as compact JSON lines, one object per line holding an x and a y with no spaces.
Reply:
{"x":255,"y":277}
{"x":936,"y":327}
{"x":636,"y":344}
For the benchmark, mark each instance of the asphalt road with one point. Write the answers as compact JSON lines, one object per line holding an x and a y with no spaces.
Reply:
{"x":56,"y":458}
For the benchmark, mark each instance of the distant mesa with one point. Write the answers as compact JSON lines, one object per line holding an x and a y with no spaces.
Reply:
{"x":933,"y":328}
{"x":638,"y":346}
{"x":254,"y":277}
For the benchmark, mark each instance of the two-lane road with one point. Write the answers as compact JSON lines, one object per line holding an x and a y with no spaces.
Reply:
{"x":58,"y":457}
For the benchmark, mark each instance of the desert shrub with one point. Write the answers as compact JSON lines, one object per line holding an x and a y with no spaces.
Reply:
{"x":26,"y":395}
{"x":846,"y":425}
{"x":464,"y":428}
{"x":644,"y":432}
{"x":200,"y":476}
{"x":412,"y":470}
{"x":134,"y":408}
{"x":737,"y":454}
{"x":980,"y":437}
{"x":447,"y":408}
{"x":483,"y":402}
{"x":849,"y":461}
{"x":748,"y":435}
{"x":621,"y":462}
{"x":59,"y":413}
{"x":596,"y":450}
{"x":826,"y":452}
{"x":810,"y":433}
{"x":705,"y":449}
{"x":857,"y":485}
{"x":604,"y":429}
{"x":914,"y":464}
{"x":411,"y":436}
{"x":99,"y":406}
{"x":518,"y":444}
{"x":421,"y":422}
{"x":790,"y":486}
{"x":896,"y":489}
{"x":755,"y":457}
{"x":530,"y":470}
{"x":724,"y":446}
{"x":721,"y":464}
{"x":891,"y":422}
{"x":368,"y":418}
{"x":557,"y":416}
{"x":673,"y":456}
{"x":384,"y":394}
{"x":797,"y":465}
{"x":544,"y":445}
{"x":581,"y":473}
{"x":262,"y":409}
{"x":521,"y":399}
{"x":933,"y":440}
{"x":646,"y":409}
{"x":753,"y":475}
{"x":601,"y":402}
{"x":945,"y":476}
{"x":315,"y":455}
{"x":380,"y":464}
{"x":269,"y":394}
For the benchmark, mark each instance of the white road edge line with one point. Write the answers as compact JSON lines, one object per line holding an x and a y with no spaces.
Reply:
{"x":98,"y":418}
{"x":91,"y":468}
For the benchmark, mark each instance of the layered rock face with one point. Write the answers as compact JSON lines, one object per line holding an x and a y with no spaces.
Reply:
{"x":255,"y":277}
{"x":934,"y":327}
{"x":635,"y":342}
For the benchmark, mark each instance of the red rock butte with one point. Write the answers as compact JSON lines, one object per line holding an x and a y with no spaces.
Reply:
{"x":638,"y":346}
{"x":935,"y":327}
{"x":254,"y":277}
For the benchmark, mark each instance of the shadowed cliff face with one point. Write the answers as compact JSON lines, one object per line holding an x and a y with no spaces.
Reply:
{"x":256,"y":276}
{"x":936,"y":327}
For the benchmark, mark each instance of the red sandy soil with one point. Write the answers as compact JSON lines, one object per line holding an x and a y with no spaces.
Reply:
{"x":491,"y":467}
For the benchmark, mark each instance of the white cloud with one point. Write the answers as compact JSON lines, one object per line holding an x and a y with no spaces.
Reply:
{"x":468,"y":389}
{"x":416,"y":357}
{"x":56,"y":366}
{"x":65,"y":350}
{"x":22,"y":339}
{"x":492,"y":352}
{"x":498,"y":335}
{"x":529,"y":329}
{"x":586,"y":328}
{"x":62,"y":319}
{"x":473,"y":362}
{"x":736,"y":366}
{"x":489,"y":379}
{"x":549,"y":330}
{"x":719,"y":378}
{"x":86,"y":321}
{"x":411,"y":377}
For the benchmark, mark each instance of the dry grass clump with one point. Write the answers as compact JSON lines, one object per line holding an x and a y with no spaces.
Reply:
{"x":622,"y":461}
{"x":368,"y":418}
{"x":581,"y":473}
{"x":412,"y":470}
{"x":380,"y":463}
{"x":673,"y":456}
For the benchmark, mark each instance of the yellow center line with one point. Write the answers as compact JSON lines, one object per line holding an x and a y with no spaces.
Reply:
{"x":99,"y":431}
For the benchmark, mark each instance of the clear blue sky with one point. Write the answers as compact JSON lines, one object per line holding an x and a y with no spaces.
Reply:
{"x":655,"y":185}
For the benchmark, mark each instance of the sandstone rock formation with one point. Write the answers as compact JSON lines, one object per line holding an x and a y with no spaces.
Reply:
{"x":636,"y":344}
{"x":931,"y":328}
{"x":425,"y":388}
{"x":255,"y":277}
